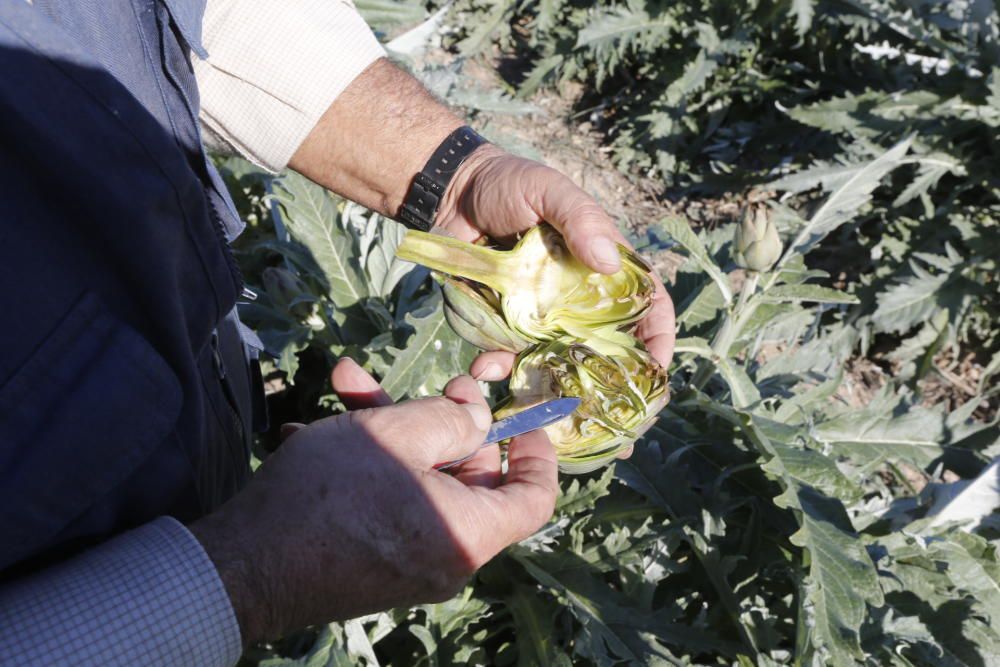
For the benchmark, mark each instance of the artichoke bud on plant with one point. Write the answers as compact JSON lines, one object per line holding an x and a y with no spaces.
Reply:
{"x":542,"y":291}
{"x":622,"y":389}
{"x":756,"y":244}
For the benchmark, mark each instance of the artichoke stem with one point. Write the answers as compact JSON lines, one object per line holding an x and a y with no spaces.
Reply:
{"x":454,"y":257}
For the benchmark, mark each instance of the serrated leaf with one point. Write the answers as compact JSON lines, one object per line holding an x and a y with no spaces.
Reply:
{"x":871,"y":436}
{"x":681,"y":232}
{"x":743,"y":391}
{"x":908,"y":302}
{"x":619,"y":27}
{"x":702,"y":306}
{"x":536,"y":635}
{"x":842,"y":578}
{"x":845,"y":202}
{"x":479,"y":38}
{"x":812,"y":468}
{"x":310,"y":215}
{"x":930,"y":170}
{"x":966,"y":502}
{"x":432,"y":356}
{"x":577,"y":497}
{"x":802,"y":10}
{"x":811,"y":293}
{"x":970,"y":574}
{"x":612,"y":627}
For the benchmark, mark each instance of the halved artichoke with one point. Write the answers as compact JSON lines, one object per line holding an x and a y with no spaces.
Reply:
{"x":544,"y":292}
{"x":622,"y":390}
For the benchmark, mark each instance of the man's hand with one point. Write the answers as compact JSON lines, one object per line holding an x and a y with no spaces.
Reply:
{"x":500,"y":195}
{"x":349,"y":517}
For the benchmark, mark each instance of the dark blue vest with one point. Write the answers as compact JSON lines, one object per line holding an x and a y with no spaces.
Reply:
{"x":116,"y":280}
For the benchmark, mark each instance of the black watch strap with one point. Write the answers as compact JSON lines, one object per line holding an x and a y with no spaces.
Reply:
{"x":421,"y":203}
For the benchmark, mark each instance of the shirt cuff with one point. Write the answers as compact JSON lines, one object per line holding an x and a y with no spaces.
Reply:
{"x":150,"y":596}
{"x":273,"y":68}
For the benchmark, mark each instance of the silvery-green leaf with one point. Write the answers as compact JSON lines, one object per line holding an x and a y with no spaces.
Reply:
{"x":842,"y":578}
{"x":811,"y":293}
{"x":680,"y":230}
{"x":702,"y":306}
{"x":845,"y":202}
{"x":383,"y":269}
{"x":966,"y":502}
{"x":743,"y":391}
{"x":871,"y":436}
{"x":579,"y":497}
{"x":931,"y":168}
{"x":803,"y":12}
{"x":309,"y":213}
{"x":911,"y":300}
{"x":384,"y":14}
{"x":697,"y":346}
{"x":432,"y":355}
{"x":977,"y":576}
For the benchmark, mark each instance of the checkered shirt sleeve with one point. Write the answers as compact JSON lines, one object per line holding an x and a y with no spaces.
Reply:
{"x":273,"y":69}
{"x":147,"y":597}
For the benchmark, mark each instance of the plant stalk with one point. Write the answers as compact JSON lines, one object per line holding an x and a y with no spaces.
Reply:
{"x":730,"y":329}
{"x":454,"y":257}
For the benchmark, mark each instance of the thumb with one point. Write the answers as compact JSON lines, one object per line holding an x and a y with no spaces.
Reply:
{"x":427,"y":431}
{"x":589,"y":231}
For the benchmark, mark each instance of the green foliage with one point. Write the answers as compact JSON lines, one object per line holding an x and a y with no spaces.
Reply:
{"x":349,"y":295}
{"x":767,"y":517}
{"x":803,"y":96}
{"x":752,"y":524}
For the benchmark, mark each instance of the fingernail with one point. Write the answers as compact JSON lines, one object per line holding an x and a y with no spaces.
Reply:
{"x":480,"y":414}
{"x":605,"y":253}
{"x":491,"y":372}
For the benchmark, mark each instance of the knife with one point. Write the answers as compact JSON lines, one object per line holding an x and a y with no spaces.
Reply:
{"x":533,"y":418}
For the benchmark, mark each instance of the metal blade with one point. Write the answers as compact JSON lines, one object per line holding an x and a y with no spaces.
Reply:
{"x":530,"y":419}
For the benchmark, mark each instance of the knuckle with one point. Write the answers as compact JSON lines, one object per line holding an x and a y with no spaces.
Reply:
{"x":450,"y":416}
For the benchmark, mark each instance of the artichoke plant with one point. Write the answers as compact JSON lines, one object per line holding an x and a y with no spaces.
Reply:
{"x":621,"y":390}
{"x":543,"y":291}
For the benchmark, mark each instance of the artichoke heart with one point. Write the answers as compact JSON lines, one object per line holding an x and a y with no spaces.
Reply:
{"x":543,"y":292}
{"x":622,"y":390}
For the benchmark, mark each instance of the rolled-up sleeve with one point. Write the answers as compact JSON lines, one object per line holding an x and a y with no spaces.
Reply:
{"x":273,"y":68}
{"x":148,"y":597}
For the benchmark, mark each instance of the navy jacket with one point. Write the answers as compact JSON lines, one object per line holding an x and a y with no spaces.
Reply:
{"x":117,"y":284}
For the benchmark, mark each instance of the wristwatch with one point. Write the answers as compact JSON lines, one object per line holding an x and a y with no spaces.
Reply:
{"x":422,"y":201}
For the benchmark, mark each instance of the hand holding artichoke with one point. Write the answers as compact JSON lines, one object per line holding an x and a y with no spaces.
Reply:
{"x":568,"y":325}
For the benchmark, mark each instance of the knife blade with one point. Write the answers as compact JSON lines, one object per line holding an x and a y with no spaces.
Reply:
{"x":530,"y":419}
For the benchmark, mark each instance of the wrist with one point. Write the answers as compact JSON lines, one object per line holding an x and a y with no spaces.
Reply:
{"x":242,"y":577}
{"x":454,"y":204}
{"x":424,"y":198}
